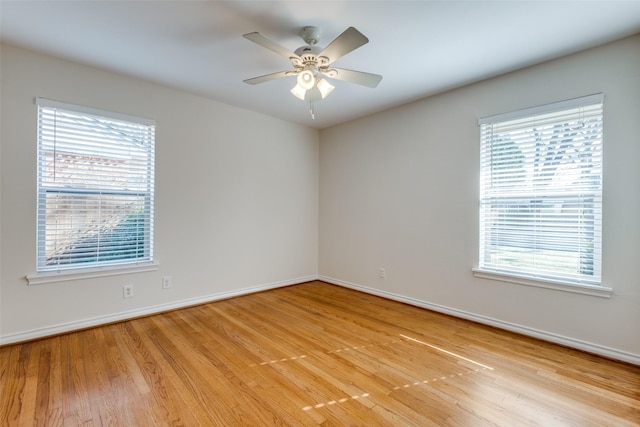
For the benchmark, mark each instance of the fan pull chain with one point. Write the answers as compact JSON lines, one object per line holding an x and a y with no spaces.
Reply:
{"x":313,"y":116}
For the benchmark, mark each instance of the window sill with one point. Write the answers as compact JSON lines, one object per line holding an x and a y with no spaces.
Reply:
{"x":593,"y":290}
{"x":89,"y":273}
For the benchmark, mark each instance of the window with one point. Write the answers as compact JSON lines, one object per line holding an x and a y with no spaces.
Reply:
{"x":95,"y":188}
{"x":541,"y":192}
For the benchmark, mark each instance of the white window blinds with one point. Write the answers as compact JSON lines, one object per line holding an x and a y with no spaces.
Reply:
{"x":541,"y":192}
{"x":95,"y":187}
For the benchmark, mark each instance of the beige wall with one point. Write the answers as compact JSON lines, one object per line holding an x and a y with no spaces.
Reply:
{"x":238,"y":206}
{"x":235,"y":206}
{"x":399,"y":190}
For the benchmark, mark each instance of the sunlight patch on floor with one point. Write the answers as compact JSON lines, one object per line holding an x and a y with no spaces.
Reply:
{"x":481,"y":367}
{"x":447,"y":352}
{"x":362,"y":346}
{"x":340,"y":350}
{"x":433,"y":380}
{"x":333,"y":402}
{"x":271,"y":362}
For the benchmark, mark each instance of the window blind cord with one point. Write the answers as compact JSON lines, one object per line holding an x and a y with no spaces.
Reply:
{"x":55,"y":144}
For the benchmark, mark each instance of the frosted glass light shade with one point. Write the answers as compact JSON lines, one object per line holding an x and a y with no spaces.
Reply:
{"x":306,"y":80}
{"x":324,"y":87}
{"x":299,"y":92}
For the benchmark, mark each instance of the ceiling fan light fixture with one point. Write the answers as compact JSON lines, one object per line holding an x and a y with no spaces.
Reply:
{"x":306,"y":79}
{"x":299,"y":92}
{"x":313,"y":94}
{"x":311,"y":64}
{"x":324,"y":87}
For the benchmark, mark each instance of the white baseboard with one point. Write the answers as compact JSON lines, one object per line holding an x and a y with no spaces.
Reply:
{"x":146,"y":311}
{"x":524,"y":330}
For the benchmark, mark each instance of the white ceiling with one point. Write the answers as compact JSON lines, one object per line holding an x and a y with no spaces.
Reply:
{"x":419,"y":47}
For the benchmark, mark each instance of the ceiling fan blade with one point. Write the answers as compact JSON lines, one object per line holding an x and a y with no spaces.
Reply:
{"x":348,"y":41}
{"x":357,"y":77}
{"x":267,"y":77}
{"x":273,"y":46}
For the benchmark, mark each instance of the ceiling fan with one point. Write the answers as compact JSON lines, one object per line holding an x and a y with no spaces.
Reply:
{"x":311,"y":63}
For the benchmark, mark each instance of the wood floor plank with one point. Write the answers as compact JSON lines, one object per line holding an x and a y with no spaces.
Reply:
{"x":11,"y":384}
{"x":170,"y":394}
{"x":309,"y":355}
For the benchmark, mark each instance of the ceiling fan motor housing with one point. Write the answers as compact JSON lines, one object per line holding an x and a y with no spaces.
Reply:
{"x":308,"y":54}
{"x":310,"y":34}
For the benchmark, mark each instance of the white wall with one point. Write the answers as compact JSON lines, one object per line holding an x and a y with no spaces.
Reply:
{"x":236,"y":199}
{"x":399,"y":190}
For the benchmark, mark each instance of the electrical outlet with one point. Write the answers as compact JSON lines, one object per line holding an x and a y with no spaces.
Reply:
{"x":127,"y":291}
{"x":382,"y":273}
{"x":166,"y":282}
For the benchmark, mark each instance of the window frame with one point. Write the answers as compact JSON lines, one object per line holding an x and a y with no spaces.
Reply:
{"x":504,"y":273}
{"x":142,"y":259}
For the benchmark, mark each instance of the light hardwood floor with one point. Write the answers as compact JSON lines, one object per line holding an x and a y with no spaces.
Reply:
{"x":310,"y":354}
